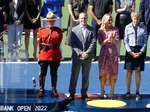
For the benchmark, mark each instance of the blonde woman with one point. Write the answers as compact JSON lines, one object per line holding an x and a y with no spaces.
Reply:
{"x":108,"y":37}
{"x":135,"y":40}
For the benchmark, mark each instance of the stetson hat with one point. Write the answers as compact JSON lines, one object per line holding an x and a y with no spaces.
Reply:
{"x":50,"y":16}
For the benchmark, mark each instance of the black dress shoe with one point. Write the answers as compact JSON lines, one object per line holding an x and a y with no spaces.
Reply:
{"x":41,"y":93}
{"x":85,"y":97}
{"x":71,"y":97}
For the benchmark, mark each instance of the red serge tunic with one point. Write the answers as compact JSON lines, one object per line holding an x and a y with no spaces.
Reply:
{"x":50,"y":37}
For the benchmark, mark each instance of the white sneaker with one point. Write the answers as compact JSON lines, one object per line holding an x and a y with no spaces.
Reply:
{"x":17,"y":59}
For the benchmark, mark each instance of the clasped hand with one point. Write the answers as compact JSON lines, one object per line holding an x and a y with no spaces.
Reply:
{"x":136,"y":55}
{"x":110,"y":36}
{"x":127,"y":8}
{"x":17,"y":22}
{"x":83,"y":56}
{"x":34,"y":20}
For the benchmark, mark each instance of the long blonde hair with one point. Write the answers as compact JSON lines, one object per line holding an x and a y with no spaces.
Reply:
{"x":105,"y":18}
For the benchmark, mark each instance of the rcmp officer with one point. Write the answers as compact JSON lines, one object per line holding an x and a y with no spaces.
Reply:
{"x":49,"y":39}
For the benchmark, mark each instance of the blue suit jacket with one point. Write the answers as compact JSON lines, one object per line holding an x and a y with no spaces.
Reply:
{"x":79,"y":46}
{"x":145,"y":11}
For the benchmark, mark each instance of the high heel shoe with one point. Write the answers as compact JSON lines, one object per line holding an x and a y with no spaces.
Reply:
{"x":137,"y":96}
{"x":34,"y":57}
{"x":101,"y":97}
{"x":111,"y":98}
{"x":128,"y":95}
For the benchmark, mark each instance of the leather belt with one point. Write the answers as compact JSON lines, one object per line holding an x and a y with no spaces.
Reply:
{"x":52,"y":46}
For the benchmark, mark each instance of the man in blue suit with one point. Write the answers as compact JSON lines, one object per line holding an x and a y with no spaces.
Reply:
{"x":145,"y":13}
{"x":83,"y":40}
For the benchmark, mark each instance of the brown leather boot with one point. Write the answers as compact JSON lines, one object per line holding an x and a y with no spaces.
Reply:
{"x":54,"y":83}
{"x":54,"y":92}
{"x":41,"y":82}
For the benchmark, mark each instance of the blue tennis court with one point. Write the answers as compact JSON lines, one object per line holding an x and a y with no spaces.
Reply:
{"x":19,"y":76}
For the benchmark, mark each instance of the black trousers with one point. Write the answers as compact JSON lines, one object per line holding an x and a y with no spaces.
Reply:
{"x":148,"y":32}
{"x":148,"y":28}
{"x":53,"y":67}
